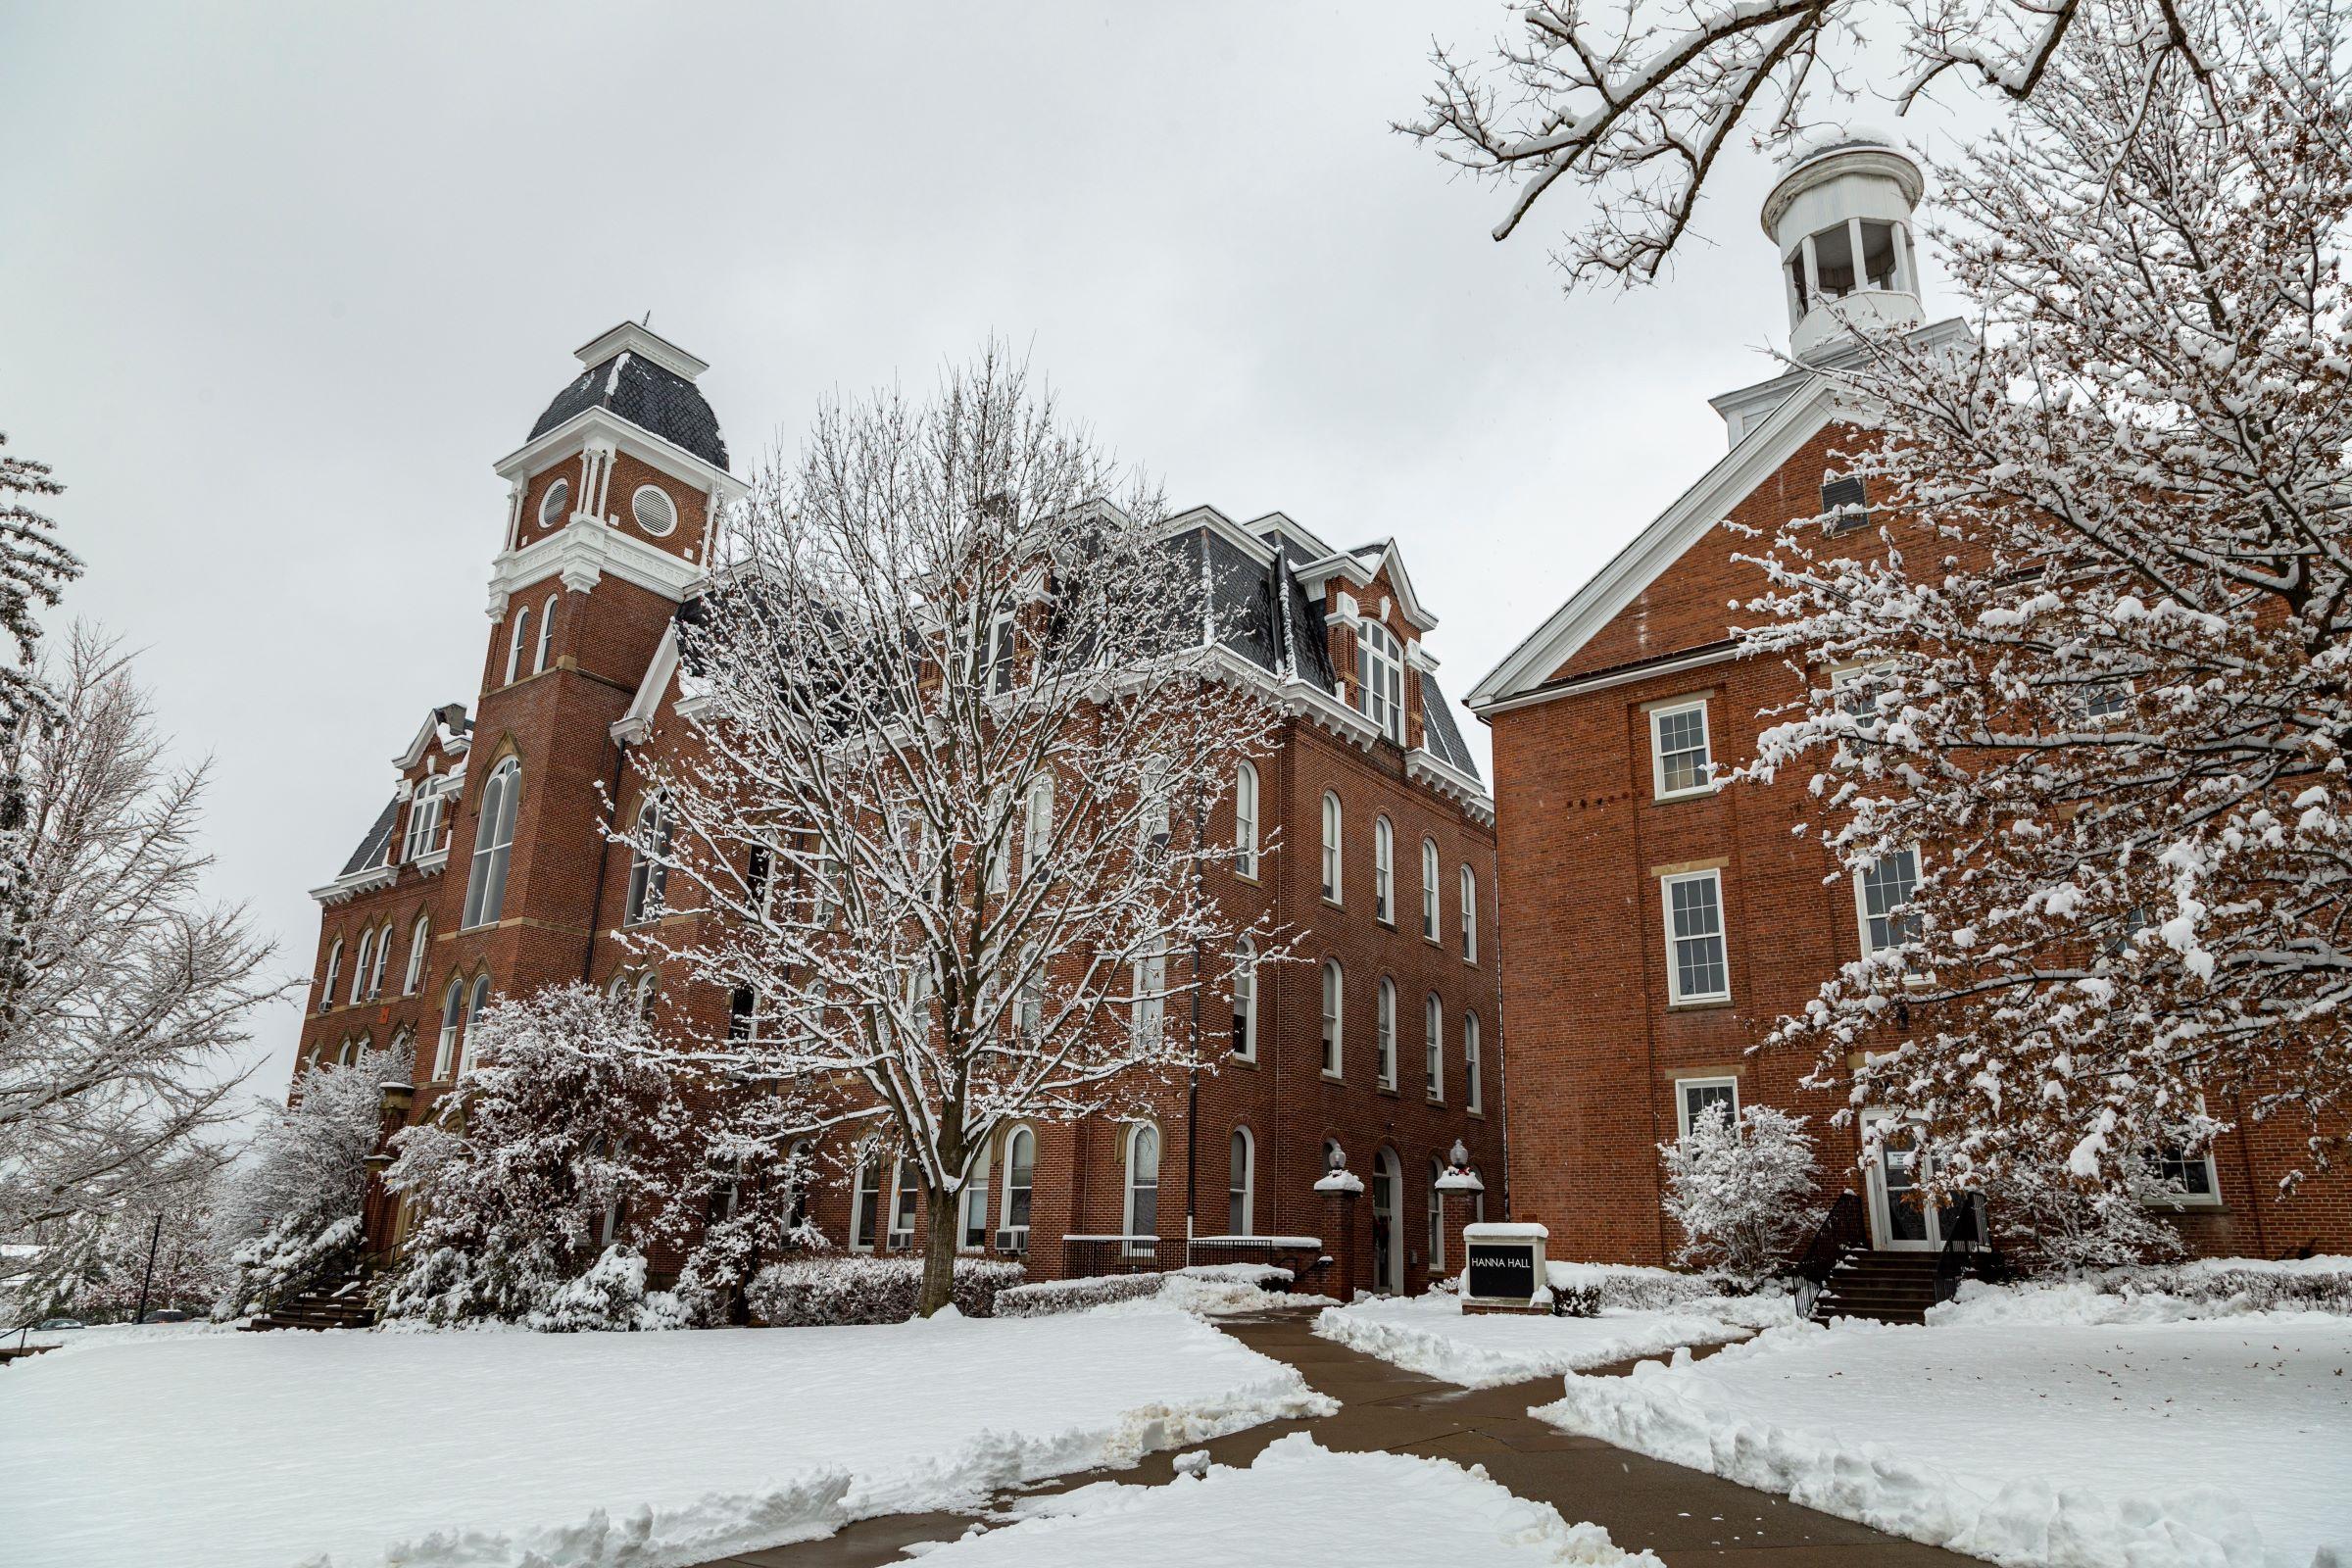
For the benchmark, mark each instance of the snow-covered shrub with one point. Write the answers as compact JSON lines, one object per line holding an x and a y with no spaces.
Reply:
{"x":612,"y":1294}
{"x":2244,"y":1285}
{"x":291,"y":1210}
{"x":1576,"y":1301}
{"x":1052,"y":1298}
{"x":1743,"y":1192}
{"x":2055,"y":1220}
{"x":813,"y":1292}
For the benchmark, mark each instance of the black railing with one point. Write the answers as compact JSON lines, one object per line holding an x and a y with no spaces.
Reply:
{"x":1967,"y":1251}
{"x":1843,"y":1229}
{"x":1086,"y":1256}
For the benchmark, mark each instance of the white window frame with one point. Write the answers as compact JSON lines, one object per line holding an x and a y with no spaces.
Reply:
{"x":1862,"y":915}
{"x":1012,"y":1137}
{"x":649,"y":877}
{"x":869,"y":1164}
{"x":1433,"y":1047}
{"x":1130,"y":1188}
{"x":1384,"y":870}
{"x":1379,"y":678}
{"x":1468,"y":885}
{"x":637,"y":511}
{"x":1335,"y":827}
{"x":973,"y":1203}
{"x":1474,"y":1085}
{"x":1148,"y":1011}
{"x":1244,"y":1000}
{"x":1658,"y":715}
{"x":359,"y":967}
{"x":1037,"y":827}
{"x":476,"y":995}
{"x":895,"y":1239}
{"x":1431,"y":911}
{"x":1435,"y":1227}
{"x":547,"y":634}
{"x":518,"y":634}
{"x":1245,"y":1194}
{"x":1333,"y":1018}
{"x":1245,"y":823}
{"x":493,"y":846}
{"x":333,"y":976}
{"x":1683,"y":1088}
{"x":421,"y":937}
{"x":1674,"y":968}
{"x":383,"y":951}
{"x":2205,"y":1202}
{"x":453,"y":1021}
{"x":424,"y":819}
{"x":551,"y":502}
{"x":1383,"y":1032}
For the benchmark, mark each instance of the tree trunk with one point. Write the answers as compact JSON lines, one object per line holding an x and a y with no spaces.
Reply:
{"x":939,"y":1252}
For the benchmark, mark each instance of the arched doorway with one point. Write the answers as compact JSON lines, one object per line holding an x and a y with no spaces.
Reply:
{"x":1387,"y":1250}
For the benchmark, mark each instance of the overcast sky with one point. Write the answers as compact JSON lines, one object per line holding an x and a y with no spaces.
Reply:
{"x":282,"y":283}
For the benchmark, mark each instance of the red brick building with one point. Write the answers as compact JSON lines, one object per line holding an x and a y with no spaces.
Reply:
{"x":1375,"y":834}
{"x":1657,"y":924}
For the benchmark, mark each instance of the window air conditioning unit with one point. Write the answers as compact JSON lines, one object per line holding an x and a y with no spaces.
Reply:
{"x":1013,"y":1239}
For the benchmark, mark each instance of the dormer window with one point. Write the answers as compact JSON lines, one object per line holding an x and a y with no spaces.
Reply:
{"x":552,"y":504}
{"x":1380,"y":679}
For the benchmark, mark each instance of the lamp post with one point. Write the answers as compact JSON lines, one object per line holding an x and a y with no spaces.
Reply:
{"x":1340,"y":1187}
{"x":1458,"y":1189}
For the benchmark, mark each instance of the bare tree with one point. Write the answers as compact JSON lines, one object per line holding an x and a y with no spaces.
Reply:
{"x":958,"y":720}
{"x":131,"y":995}
{"x":1639,"y":102}
{"x":2086,"y":747}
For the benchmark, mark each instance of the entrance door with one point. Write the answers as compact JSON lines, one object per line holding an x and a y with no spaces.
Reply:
{"x":1898,"y":1221}
{"x":1387,"y":1275}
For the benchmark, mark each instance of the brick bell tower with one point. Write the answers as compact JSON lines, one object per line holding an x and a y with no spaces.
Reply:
{"x":611,"y":504}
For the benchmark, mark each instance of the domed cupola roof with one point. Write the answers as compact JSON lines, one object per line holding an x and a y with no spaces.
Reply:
{"x":648,"y":381}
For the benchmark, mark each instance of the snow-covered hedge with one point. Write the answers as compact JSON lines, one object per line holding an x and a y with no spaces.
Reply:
{"x":1202,"y":1288}
{"x":1636,"y":1286}
{"x":2207,"y":1288}
{"x":813,"y":1292}
{"x":1048,"y":1298}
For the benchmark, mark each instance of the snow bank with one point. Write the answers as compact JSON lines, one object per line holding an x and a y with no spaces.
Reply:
{"x":1205,"y":1290}
{"x":2216,"y":1444}
{"x":1339,"y":1507}
{"x":262,"y":1450}
{"x":100,"y":1335}
{"x":1431,"y":1335}
{"x":2209,"y":1288}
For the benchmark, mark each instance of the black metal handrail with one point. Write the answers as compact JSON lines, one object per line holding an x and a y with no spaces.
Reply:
{"x":1841,"y":1230}
{"x":1968,"y":1251}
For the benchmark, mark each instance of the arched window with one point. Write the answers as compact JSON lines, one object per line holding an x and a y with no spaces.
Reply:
{"x":1143,"y":1190}
{"x":1240,"y":1177}
{"x":1469,"y":916}
{"x":649,"y":851}
{"x":974,"y":1208}
{"x":797,"y":1165}
{"x":1380,"y":679}
{"x":359,"y":970}
{"x":905,"y":1193}
{"x":1474,"y":1089}
{"x":1331,"y":846}
{"x":618,"y":987}
{"x":334,"y":970}
{"x":1334,"y":988}
{"x":1436,"y":1219}
{"x":493,"y":843}
{"x":1388,"y":1257}
{"x":518,"y":638}
{"x":1037,"y":833}
{"x":647,"y":989}
{"x":424,"y":819}
{"x":1384,"y":871}
{"x":1151,"y":992}
{"x":1433,"y":1044}
{"x":1244,"y":1000}
{"x":865,"y":1204}
{"x":1020,"y":1171}
{"x":547,"y":635}
{"x":1245,"y":820}
{"x":1385,"y":1033}
{"x":475,"y":1000}
{"x":1428,"y":889}
{"x":383,"y":955}
{"x":420,"y":942}
{"x":452,"y":1019}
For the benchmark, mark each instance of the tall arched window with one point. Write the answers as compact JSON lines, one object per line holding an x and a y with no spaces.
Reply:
{"x":648,"y":987}
{"x":866,"y":1203}
{"x":1143,"y":1189}
{"x":1385,"y":1034}
{"x":1428,"y":889}
{"x":383,"y":955}
{"x":1037,"y":832}
{"x":1474,"y":1088}
{"x":1240,"y":1176}
{"x":1020,"y":1171}
{"x":1151,"y":993}
{"x":334,"y":971}
{"x":974,"y":1206}
{"x":1331,"y":846}
{"x":359,"y":970}
{"x":547,"y":635}
{"x":1436,"y":1218}
{"x":1433,"y":1046}
{"x":1244,"y":1000}
{"x":1380,"y":679}
{"x":649,"y":851}
{"x":421,"y":937}
{"x":493,"y":843}
{"x":1469,"y":916}
{"x":518,"y":638}
{"x":1334,"y":992}
{"x":475,"y":1000}
{"x":424,"y":819}
{"x":1384,"y":871}
{"x":1245,"y":820}
{"x":452,"y":1019}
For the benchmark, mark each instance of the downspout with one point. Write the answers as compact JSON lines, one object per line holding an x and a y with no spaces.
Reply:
{"x":596,"y":906}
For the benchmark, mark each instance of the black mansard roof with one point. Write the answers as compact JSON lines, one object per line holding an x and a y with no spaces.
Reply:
{"x":648,"y":396}
{"x":376,"y":848}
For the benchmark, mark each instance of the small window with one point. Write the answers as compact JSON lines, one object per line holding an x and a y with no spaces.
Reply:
{"x":1474,"y":1089}
{"x":1883,"y":892}
{"x":1384,"y":871}
{"x":1436,"y":1218}
{"x":1245,"y":821}
{"x":1693,"y":1097}
{"x":552,"y":504}
{"x":654,"y":511}
{"x":2188,"y":1178}
{"x":743,"y":1013}
{"x":1151,"y":997}
{"x":1037,"y":829}
{"x":1857,"y":689}
{"x":1433,"y":1044}
{"x":1695,"y":969}
{"x":1244,"y":1000}
{"x":1001,"y":653}
{"x":383,"y":951}
{"x":1333,"y":987}
{"x":359,"y":970}
{"x":1384,"y":1033}
{"x":1469,"y":916}
{"x":2107,"y":705}
{"x":1680,"y":760}
{"x":1428,"y":889}
{"x":1331,"y":846}
{"x":424,"y":821}
{"x":475,"y":1000}
{"x":1240,"y":1176}
{"x":1846,"y":504}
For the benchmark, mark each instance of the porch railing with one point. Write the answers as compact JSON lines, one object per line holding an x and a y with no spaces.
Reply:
{"x":1843,"y":1229}
{"x":1968,"y":1252}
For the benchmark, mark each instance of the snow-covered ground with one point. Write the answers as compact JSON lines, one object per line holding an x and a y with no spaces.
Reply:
{"x":1327,"y":1507}
{"x":2205,"y":1287}
{"x":1433,"y":1336}
{"x":265,"y":1451}
{"x":2221,"y":1444}
{"x":98,"y":1335}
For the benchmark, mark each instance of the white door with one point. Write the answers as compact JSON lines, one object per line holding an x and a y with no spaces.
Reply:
{"x":1898,"y":1223}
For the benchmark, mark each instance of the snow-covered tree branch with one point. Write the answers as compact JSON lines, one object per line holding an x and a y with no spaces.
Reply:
{"x":959,"y":715}
{"x":2100,"y":720}
{"x":1638,"y":101}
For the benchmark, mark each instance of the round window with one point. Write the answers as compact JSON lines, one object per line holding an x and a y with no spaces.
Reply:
{"x":656,"y":512}
{"x":551,"y":505}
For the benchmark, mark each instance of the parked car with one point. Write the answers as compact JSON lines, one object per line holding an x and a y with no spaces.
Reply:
{"x":50,"y":1324}
{"x":165,"y":1314}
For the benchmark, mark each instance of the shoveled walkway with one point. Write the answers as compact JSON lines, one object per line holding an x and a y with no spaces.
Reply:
{"x":1686,"y":1516}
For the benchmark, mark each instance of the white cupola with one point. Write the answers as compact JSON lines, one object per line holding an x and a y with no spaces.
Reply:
{"x":1840,"y":216}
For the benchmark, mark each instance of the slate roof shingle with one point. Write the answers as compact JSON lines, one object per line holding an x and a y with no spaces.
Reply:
{"x":649,"y":397}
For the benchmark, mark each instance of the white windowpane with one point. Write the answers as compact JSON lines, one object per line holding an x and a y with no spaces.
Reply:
{"x":1680,"y":735}
{"x":1694,"y":925}
{"x":1887,"y":888}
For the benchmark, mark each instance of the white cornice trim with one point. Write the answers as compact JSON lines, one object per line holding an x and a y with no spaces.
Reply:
{"x":634,"y":439}
{"x":1351,"y":568}
{"x":581,"y":552}
{"x":343,"y":889}
{"x":1608,"y":678}
{"x":646,"y":344}
{"x":638,"y":723}
{"x":1212,"y":521}
{"x":1449,"y":780}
